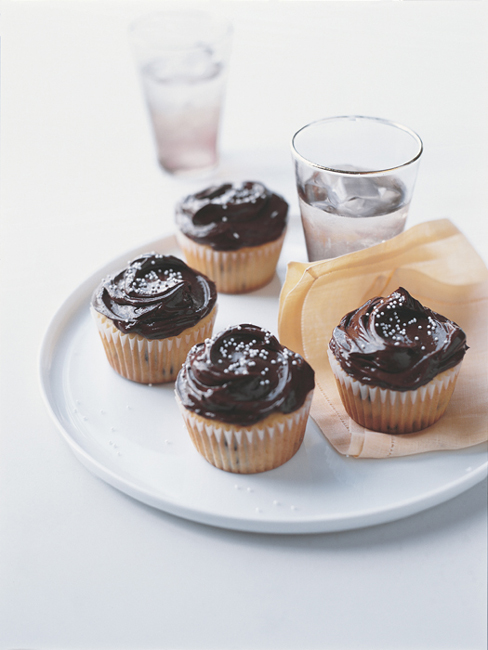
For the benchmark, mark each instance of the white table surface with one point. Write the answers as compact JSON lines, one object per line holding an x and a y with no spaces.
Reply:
{"x":81,"y":564}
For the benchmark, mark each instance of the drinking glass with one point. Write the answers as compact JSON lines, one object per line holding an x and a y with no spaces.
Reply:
{"x":355,"y":177}
{"x":182,"y":58}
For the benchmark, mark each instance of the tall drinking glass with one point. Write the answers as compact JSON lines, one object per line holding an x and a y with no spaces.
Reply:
{"x":355,"y":177}
{"x":182,"y":58}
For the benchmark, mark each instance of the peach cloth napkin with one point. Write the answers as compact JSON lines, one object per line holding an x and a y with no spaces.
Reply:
{"x":439,"y":267}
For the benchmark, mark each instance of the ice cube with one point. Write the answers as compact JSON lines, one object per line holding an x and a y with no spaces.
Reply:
{"x":315,"y":189}
{"x":183,"y":67}
{"x":392,"y":194}
{"x":358,"y":206}
{"x":354,"y":196}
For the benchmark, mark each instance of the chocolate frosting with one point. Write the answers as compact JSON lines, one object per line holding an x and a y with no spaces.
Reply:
{"x":156,"y":296}
{"x":242,"y":375}
{"x":397,"y":343}
{"x":228,"y":217}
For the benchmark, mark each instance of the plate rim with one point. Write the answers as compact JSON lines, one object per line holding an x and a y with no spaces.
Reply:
{"x":300,"y":525}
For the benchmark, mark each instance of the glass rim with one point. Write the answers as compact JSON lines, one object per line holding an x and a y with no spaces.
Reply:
{"x":381,"y":120}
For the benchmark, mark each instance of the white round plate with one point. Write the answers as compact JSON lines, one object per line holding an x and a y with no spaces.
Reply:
{"x":132,"y":436}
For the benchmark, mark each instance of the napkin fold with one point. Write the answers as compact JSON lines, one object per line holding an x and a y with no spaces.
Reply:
{"x":436,"y":264}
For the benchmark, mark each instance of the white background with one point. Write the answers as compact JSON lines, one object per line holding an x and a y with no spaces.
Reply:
{"x":84,"y":566}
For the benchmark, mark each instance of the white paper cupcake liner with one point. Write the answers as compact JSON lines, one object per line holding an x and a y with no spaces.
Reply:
{"x":248,"y":449}
{"x":149,"y":361}
{"x":237,"y":271}
{"x":393,"y":411}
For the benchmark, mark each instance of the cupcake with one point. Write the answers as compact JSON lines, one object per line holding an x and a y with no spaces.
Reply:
{"x":150,"y":314}
{"x":396,"y":363}
{"x":245,"y":399}
{"x":233,"y":233}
